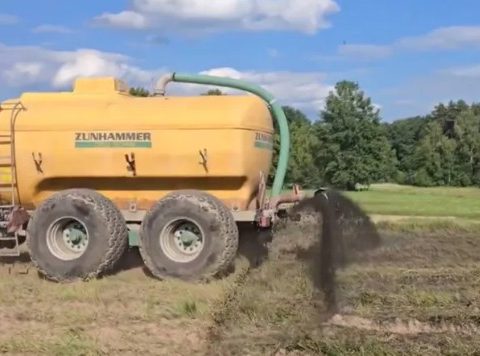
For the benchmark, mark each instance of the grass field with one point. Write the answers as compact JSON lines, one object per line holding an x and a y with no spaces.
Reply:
{"x":417,"y":293}
{"x":392,"y":199}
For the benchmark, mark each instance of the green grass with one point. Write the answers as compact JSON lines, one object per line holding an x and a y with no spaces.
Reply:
{"x":69,"y":343}
{"x":405,"y":200}
{"x":391,"y":199}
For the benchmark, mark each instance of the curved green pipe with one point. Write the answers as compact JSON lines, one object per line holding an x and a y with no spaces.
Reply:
{"x":275,"y":109}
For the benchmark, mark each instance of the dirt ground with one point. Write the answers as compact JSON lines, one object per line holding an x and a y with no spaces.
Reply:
{"x":416,"y":293}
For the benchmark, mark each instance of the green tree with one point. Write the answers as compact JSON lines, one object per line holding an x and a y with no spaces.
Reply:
{"x":448,"y":154}
{"x":356,"y":149}
{"x":467,"y":152}
{"x":446,"y":115}
{"x":141,"y":92}
{"x":302,"y":169}
{"x":404,"y":136}
{"x":476,"y":108}
{"x":301,"y":166}
{"x":434,"y":157}
{"x":214,"y":92}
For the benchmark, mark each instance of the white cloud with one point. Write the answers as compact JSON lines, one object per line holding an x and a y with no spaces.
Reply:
{"x":58,"y":69}
{"x":24,"y":72}
{"x":307,"y":16}
{"x":6,"y":19}
{"x":445,"y":38}
{"x":88,"y":63}
{"x":364,"y":51}
{"x":124,"y":19}
{"x":472,"y":71}
{"x":306,"y":90}
{"x":49,"y":69}
{"x":440,"y":39}
{"x":52,"y":29}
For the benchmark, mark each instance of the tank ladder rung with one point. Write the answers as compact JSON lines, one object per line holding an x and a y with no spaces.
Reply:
{"x":10,"y":252}
{"x":13,"y":105}
{"x":9,"y":139}
{"x":6,"y":190}
{"x":6,"y":161}
{"x":5,"y":139}
{"x":9,"y":161}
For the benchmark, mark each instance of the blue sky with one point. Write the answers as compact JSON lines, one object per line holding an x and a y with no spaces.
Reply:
{"x":407,"y":55}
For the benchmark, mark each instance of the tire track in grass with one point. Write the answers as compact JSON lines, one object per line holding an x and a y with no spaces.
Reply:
{"x":223,"y":309}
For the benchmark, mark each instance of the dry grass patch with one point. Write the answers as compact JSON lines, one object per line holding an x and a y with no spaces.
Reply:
{"x":127,"y":313}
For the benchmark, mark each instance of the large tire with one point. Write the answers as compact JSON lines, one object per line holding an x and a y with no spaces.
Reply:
{"x":197,"y":212}
{"x":100,"y":231}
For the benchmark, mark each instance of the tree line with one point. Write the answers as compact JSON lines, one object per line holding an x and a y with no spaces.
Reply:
{"x":349,"y":147}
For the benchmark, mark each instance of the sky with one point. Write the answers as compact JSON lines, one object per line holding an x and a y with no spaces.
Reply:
{"x":406,"y":55}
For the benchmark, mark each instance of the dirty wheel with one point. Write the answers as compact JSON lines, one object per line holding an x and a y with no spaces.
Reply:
{"x":189,"y":235}
{"x":76,"y":234}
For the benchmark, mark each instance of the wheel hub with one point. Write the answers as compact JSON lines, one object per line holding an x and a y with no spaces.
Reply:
{"x":75,"y":236}
{"x":67,"y":238}
{"x":182,"y":240}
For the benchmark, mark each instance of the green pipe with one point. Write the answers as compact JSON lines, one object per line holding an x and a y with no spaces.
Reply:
{"x":275,"y":109}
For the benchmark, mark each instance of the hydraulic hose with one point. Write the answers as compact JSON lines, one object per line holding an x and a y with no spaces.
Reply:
{"x":273,"y":105}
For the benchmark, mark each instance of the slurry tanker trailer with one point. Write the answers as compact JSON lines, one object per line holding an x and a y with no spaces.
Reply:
{"x":84,"y":174}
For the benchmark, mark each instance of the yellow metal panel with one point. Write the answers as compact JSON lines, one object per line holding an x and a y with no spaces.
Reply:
{"x":5,"y":176}
{"x":105,"y":85}
{"x":84,"y":136}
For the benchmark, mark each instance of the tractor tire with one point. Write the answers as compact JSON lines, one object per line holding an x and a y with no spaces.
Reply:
{"x":211,"y":232}
{"x":76,"y":234}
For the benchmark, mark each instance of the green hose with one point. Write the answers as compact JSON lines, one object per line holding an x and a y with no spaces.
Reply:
{"x":275,"y":109}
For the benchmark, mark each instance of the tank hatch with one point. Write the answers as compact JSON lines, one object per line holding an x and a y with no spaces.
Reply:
{"x":99,"y":85}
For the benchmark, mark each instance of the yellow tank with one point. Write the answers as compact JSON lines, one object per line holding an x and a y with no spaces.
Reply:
{"x":136,"y":150}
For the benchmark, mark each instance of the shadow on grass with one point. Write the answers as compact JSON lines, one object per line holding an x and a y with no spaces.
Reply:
{"x":11,"y":260}
{"x":253,"y":244}
{"x":130,"y":260}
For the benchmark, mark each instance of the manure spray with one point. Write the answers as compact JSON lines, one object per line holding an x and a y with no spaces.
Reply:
{"x":344,"y":232}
